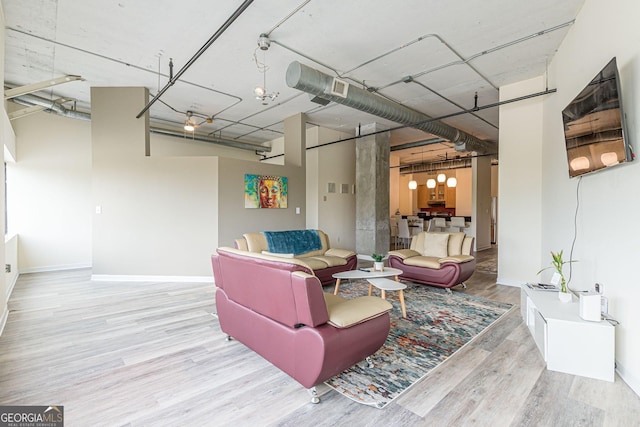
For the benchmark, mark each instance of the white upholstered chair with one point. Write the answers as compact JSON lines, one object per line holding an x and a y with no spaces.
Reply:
{"x":404,"y":236}
{"x":438,"y":224}
{"x":458,"y":222}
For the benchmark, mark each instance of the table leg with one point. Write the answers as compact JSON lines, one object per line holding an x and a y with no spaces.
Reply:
{"x":335,"y":292}
{"x":404,"y":309}
{"x":384,"y":295}
{"x":370,"y":289}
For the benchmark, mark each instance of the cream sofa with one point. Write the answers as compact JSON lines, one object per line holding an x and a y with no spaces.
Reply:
{"x":436,"y":258}
{"x":324,"y":262}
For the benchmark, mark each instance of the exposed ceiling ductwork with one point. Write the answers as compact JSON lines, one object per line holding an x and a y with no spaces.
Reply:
{"x":317,"y":83}
{"x":57,"y":108}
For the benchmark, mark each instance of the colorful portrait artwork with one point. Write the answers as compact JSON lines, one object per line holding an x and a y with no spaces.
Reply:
{"x":265,"y":191}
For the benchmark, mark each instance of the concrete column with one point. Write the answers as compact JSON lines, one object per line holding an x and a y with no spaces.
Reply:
{"x":372,"y":190}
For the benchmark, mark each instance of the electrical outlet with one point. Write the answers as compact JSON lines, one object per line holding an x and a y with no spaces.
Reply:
{"x":7,"y":268}
{"x":604,"y":306}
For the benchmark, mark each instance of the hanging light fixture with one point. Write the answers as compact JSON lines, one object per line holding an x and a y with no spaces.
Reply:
{"x":190,"y":124}
{"x":452,"y":182}
{"x":441,"y":177}
{"x":413,"y":184}
{"x":260,"y":91}
{"x":431,"y":183}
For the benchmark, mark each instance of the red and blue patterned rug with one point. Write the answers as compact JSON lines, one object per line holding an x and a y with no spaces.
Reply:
{"x":437,"y":325}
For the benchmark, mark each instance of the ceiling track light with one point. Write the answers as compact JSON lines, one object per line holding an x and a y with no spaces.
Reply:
{"x":191,"y":121}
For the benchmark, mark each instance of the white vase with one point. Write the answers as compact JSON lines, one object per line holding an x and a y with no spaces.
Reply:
{"x":564,"y":296}
{"x":378,"y":266}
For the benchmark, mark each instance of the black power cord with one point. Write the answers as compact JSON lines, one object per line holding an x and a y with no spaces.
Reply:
{"x":575,"y":230}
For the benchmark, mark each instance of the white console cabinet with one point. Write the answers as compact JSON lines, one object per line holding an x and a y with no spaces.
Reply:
{"x":567,"y":342}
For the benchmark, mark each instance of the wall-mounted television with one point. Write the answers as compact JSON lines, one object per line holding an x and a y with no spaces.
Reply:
{"x":594,"y":125}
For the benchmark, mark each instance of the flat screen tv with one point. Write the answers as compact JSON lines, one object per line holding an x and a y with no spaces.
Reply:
{"x":594,"y":125}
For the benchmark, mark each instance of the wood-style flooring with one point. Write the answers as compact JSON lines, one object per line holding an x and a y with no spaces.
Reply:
{"x":127,"y":353}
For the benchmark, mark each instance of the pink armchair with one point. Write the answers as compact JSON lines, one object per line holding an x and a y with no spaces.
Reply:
{"x":277,"y":308}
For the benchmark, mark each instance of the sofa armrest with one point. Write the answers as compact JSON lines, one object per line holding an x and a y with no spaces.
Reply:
{"x":344,"y":313}
{"x":341,"y":253}
{"x":458,"y":259}
{"x":404,"y":253}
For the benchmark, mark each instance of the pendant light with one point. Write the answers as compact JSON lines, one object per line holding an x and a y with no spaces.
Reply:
{"x":413,"y":184}
{"x":431,"y":183}
{"x":452,"y":182}
{"x":441,"y":177}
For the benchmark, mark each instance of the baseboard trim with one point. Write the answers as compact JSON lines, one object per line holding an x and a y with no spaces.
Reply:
{"x":12,"y":285}
{"x":632,"y":381}
{"x":513,"y":283}
{"x":136,"y":278}
{"x":54,"y":268}
{"x":3,"y":320}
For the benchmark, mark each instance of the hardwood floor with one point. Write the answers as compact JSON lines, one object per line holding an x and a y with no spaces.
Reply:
{"x":117,"y":353}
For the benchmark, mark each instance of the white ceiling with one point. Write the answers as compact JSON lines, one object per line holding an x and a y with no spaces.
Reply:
{"x":453,"y":49}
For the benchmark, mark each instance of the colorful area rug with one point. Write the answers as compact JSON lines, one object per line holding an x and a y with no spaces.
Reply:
{"x":437,"y":325}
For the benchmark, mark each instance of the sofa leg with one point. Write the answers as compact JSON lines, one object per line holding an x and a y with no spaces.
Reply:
{"x":448,"y":290}
{"x":314,"y":395}
{"x":228,"y":338}
{"x":464,"y":285}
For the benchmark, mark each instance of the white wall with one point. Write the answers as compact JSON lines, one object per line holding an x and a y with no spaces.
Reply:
{"x":607,"y":198}
{"x":520,"y":177}
{"x":11,"y":258}
{"x":6,"y":136}
{"x":49,"y":192}
{"x":538,"y":199}
{"x":52,"y":199}
{"x":336,"y":211}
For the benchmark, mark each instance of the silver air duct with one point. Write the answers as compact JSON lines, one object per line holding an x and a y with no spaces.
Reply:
{"x":51,"y":106}
{"x":317,"y":83}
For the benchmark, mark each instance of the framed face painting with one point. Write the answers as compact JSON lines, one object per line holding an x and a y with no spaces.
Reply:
{"x":265,"y":191}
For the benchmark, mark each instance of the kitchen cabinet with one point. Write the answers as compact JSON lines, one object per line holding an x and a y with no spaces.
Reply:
{"x":450,"y":197}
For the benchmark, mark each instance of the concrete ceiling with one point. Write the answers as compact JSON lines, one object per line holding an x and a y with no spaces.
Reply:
{"x":452,"y":49}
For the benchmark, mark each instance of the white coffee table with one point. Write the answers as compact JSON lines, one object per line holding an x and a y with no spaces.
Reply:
{"x":385,"y":284}
{"x":365,"y":273}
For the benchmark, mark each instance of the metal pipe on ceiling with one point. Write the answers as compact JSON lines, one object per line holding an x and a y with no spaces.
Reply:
{"x":315,"y":82}
{"x":29,"y":100}
{"x":56,"y":108}
{"x":416,"y":144}
{"x":197,"y":55}
{"x":438,"y":165}
{"x":220,"y":141}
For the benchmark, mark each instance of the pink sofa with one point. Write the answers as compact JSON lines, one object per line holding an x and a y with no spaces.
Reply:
{"x":436,"y":258}
{"x":324,"y":262}
{"x":277,"y":308}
